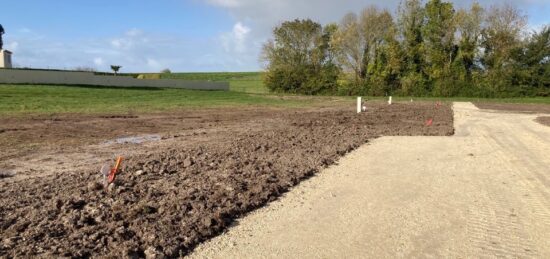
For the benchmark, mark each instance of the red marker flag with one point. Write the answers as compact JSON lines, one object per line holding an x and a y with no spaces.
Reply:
{"x":429,"y":122}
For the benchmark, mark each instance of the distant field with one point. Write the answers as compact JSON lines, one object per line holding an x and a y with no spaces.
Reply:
{"x":41,"y":99}
{"x":247,"y":82}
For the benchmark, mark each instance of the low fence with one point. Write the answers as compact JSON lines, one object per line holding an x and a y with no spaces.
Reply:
{"x":22,"y":76}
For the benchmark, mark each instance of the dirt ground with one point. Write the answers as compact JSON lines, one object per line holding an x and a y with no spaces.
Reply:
{"x":482,"y":193}
{"x":544,"y":120}
{"x":72,"y":141}
{"x":514,"y":107}
{"x":520,"y":108}
{"x":189,"y":180}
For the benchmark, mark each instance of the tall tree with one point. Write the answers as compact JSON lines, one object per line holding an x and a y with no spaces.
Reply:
{"x":388,"y":65}
{"x":350,"y":45}
{"x":501,"y":37}
{"x":532,"y":64}
{"x":469,"y":26}
{"x":438,"y":33}
{"x":358,"y":40}
{"x":297,"y":59}
{"x":410,"y":21}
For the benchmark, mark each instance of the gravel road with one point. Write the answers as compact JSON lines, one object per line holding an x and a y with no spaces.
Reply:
{"x":484,"y":192}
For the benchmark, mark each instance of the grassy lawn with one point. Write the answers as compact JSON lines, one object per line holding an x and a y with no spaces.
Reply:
{"x":246,"y":82}
{"x":41,"y":99}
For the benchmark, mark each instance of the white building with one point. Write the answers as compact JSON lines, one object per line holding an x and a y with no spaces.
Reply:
{"x":5,"y":59}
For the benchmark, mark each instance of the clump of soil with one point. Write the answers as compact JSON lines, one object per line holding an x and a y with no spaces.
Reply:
{"x":167,"y":201}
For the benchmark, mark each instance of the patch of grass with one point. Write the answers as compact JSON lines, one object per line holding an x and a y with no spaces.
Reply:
{"x":246,"y":82}
{"x":42,"y":99}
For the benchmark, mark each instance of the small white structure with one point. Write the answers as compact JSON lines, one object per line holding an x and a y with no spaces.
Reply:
{"x":390,"y":101}
{"x":5,"y":59}
{"x":359,"y":104}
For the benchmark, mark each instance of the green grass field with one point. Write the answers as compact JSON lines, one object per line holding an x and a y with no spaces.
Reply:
{"x":246,"y":82}
{"x":41,"y":99}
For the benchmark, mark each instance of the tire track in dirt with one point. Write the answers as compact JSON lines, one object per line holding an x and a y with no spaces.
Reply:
{"x":531,"y":171}
{"x":491,"y":230}
{"x":496,"y":228}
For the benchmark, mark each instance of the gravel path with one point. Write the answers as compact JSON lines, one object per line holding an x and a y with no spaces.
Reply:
{"x":483,"y":192}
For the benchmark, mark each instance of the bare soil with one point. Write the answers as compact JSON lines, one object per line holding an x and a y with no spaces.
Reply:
{"x":544,"y":120}
{"x":513,"y":107}
{"x":520,"y":108}
{"x":210,"y":168}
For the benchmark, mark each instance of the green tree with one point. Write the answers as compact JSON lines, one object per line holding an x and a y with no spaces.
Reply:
{"x":501,"y":37}
{"x":469,"y":26}
{"x":115,"y":69}
{"x":358,"y":41}
{"x":440,"y":49}
{"x":350,"y":47}
{"x":298,"y":59}
{"x":386,"y":68}
{"x":410,"y":21}
{"x":532,"y":66}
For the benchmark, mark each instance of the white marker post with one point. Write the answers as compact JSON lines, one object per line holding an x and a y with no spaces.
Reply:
{"x":390,"y":101}
{"x":359,"y":101}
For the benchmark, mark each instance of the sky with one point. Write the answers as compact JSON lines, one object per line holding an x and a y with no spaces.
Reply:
{"x":181,"y":35}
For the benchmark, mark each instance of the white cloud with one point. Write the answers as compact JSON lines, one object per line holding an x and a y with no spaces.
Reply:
{"x":134,"y":32}
{"x":236,"y":40}
{"x":99,"y":61}
{"x":117,"y":43}
{"x":226,"y":3}
{"x":153,"y":64}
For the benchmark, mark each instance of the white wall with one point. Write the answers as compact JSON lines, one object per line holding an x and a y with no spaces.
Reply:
{"x":21,"y":76}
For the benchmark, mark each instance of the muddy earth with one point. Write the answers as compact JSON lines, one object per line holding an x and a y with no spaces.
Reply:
{"x":207,"y":169}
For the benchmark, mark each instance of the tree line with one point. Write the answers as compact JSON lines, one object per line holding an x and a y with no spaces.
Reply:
{"x":430,"y":49}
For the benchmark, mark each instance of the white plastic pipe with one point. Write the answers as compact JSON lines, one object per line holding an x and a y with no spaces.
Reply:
{"x":390,"y":101}
{"x":359,"y":101}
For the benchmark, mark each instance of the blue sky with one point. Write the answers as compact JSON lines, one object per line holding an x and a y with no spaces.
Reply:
{"x":183,"y":35}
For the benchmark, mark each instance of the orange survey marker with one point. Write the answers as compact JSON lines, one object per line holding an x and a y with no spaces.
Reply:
{"x":114,"y":171}
{"x":429,"y":122}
